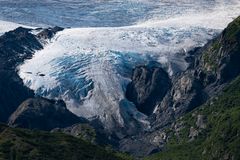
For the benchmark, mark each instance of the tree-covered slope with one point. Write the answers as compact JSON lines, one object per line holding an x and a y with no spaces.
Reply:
{"x":21,"y":144}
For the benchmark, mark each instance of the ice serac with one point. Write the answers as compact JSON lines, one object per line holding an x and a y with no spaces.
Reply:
{"x":89,"y":68}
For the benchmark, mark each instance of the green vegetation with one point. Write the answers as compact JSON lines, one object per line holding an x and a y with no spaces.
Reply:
{"x":226,"y":43}
{"x":210,"y":56}
{"x":233,"y":31}
{"x":22,"y":144}
{"x":220,"y":139}
{"x":87,"y":133}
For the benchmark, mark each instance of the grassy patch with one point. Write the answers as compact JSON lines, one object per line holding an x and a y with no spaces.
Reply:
{"x":21,"y":144}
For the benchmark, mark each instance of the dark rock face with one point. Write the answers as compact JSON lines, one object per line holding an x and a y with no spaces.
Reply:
{"x":149,"y":85}
{"x":216,"y":64}
{"x":15,"y":47}
{"x":49,"y":32}
{"x":13,"y":93}
{"x":212,"y":67}
{"x":186,"y":94}
{"x":43,"y":114}
{"x":220,"y":58}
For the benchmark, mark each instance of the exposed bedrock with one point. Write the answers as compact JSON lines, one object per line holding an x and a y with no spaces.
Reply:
{"x":15,"y":47}
{"x":48,"y":33}
{"x":43,"y":114}
{"x":213,"y":66}
{"x":148,"y":87}
{"x":216,"y":64}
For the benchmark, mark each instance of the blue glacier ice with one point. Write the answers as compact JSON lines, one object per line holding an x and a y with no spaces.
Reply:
{"x":89,"y":64}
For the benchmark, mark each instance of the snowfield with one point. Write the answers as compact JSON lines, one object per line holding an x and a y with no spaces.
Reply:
{"x":8,"y":26}
{"x":90,"y":67}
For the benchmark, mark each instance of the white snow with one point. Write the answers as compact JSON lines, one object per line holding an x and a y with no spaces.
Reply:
{"x":89,"y":68}
{"x":8,"y":26}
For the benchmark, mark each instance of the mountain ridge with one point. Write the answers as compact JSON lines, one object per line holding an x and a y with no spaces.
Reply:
{"x":214,"y":67}
{"x":191,"y":89}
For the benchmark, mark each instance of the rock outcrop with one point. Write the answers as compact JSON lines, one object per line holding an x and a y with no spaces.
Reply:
{"x":15,"y":47}
{"x":148,"y":87}
{"x":216,"y":64}
{"x":220,"y":58}
{"x":48,"y":33}
{"x":43,"y":114}
{"x":83,"y":131}
{"x":212,"y":68}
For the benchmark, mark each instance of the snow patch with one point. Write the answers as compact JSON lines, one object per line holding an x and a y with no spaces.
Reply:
{"x":8,"y":26}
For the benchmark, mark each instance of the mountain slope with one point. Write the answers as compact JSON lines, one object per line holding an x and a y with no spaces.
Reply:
{"x":211,"y":131}
{"x":38,"y":145}
{"x":191,"y":89}
{"x":15,"y":47}
{"x":215,"y":65}
{"x":43,"y":114}
{"x":89,"y":67}
{"x":221,"y":57}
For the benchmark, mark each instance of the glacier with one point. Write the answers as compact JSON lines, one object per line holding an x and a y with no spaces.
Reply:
{"x":89,"y":65}
{"x":101,"y":13}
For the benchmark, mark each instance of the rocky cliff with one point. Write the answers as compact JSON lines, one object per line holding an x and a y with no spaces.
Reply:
{"x":215,"y":65}
{"x":148,"y":87}
{"x":15,"y":46}
{"x":212,"y":68}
